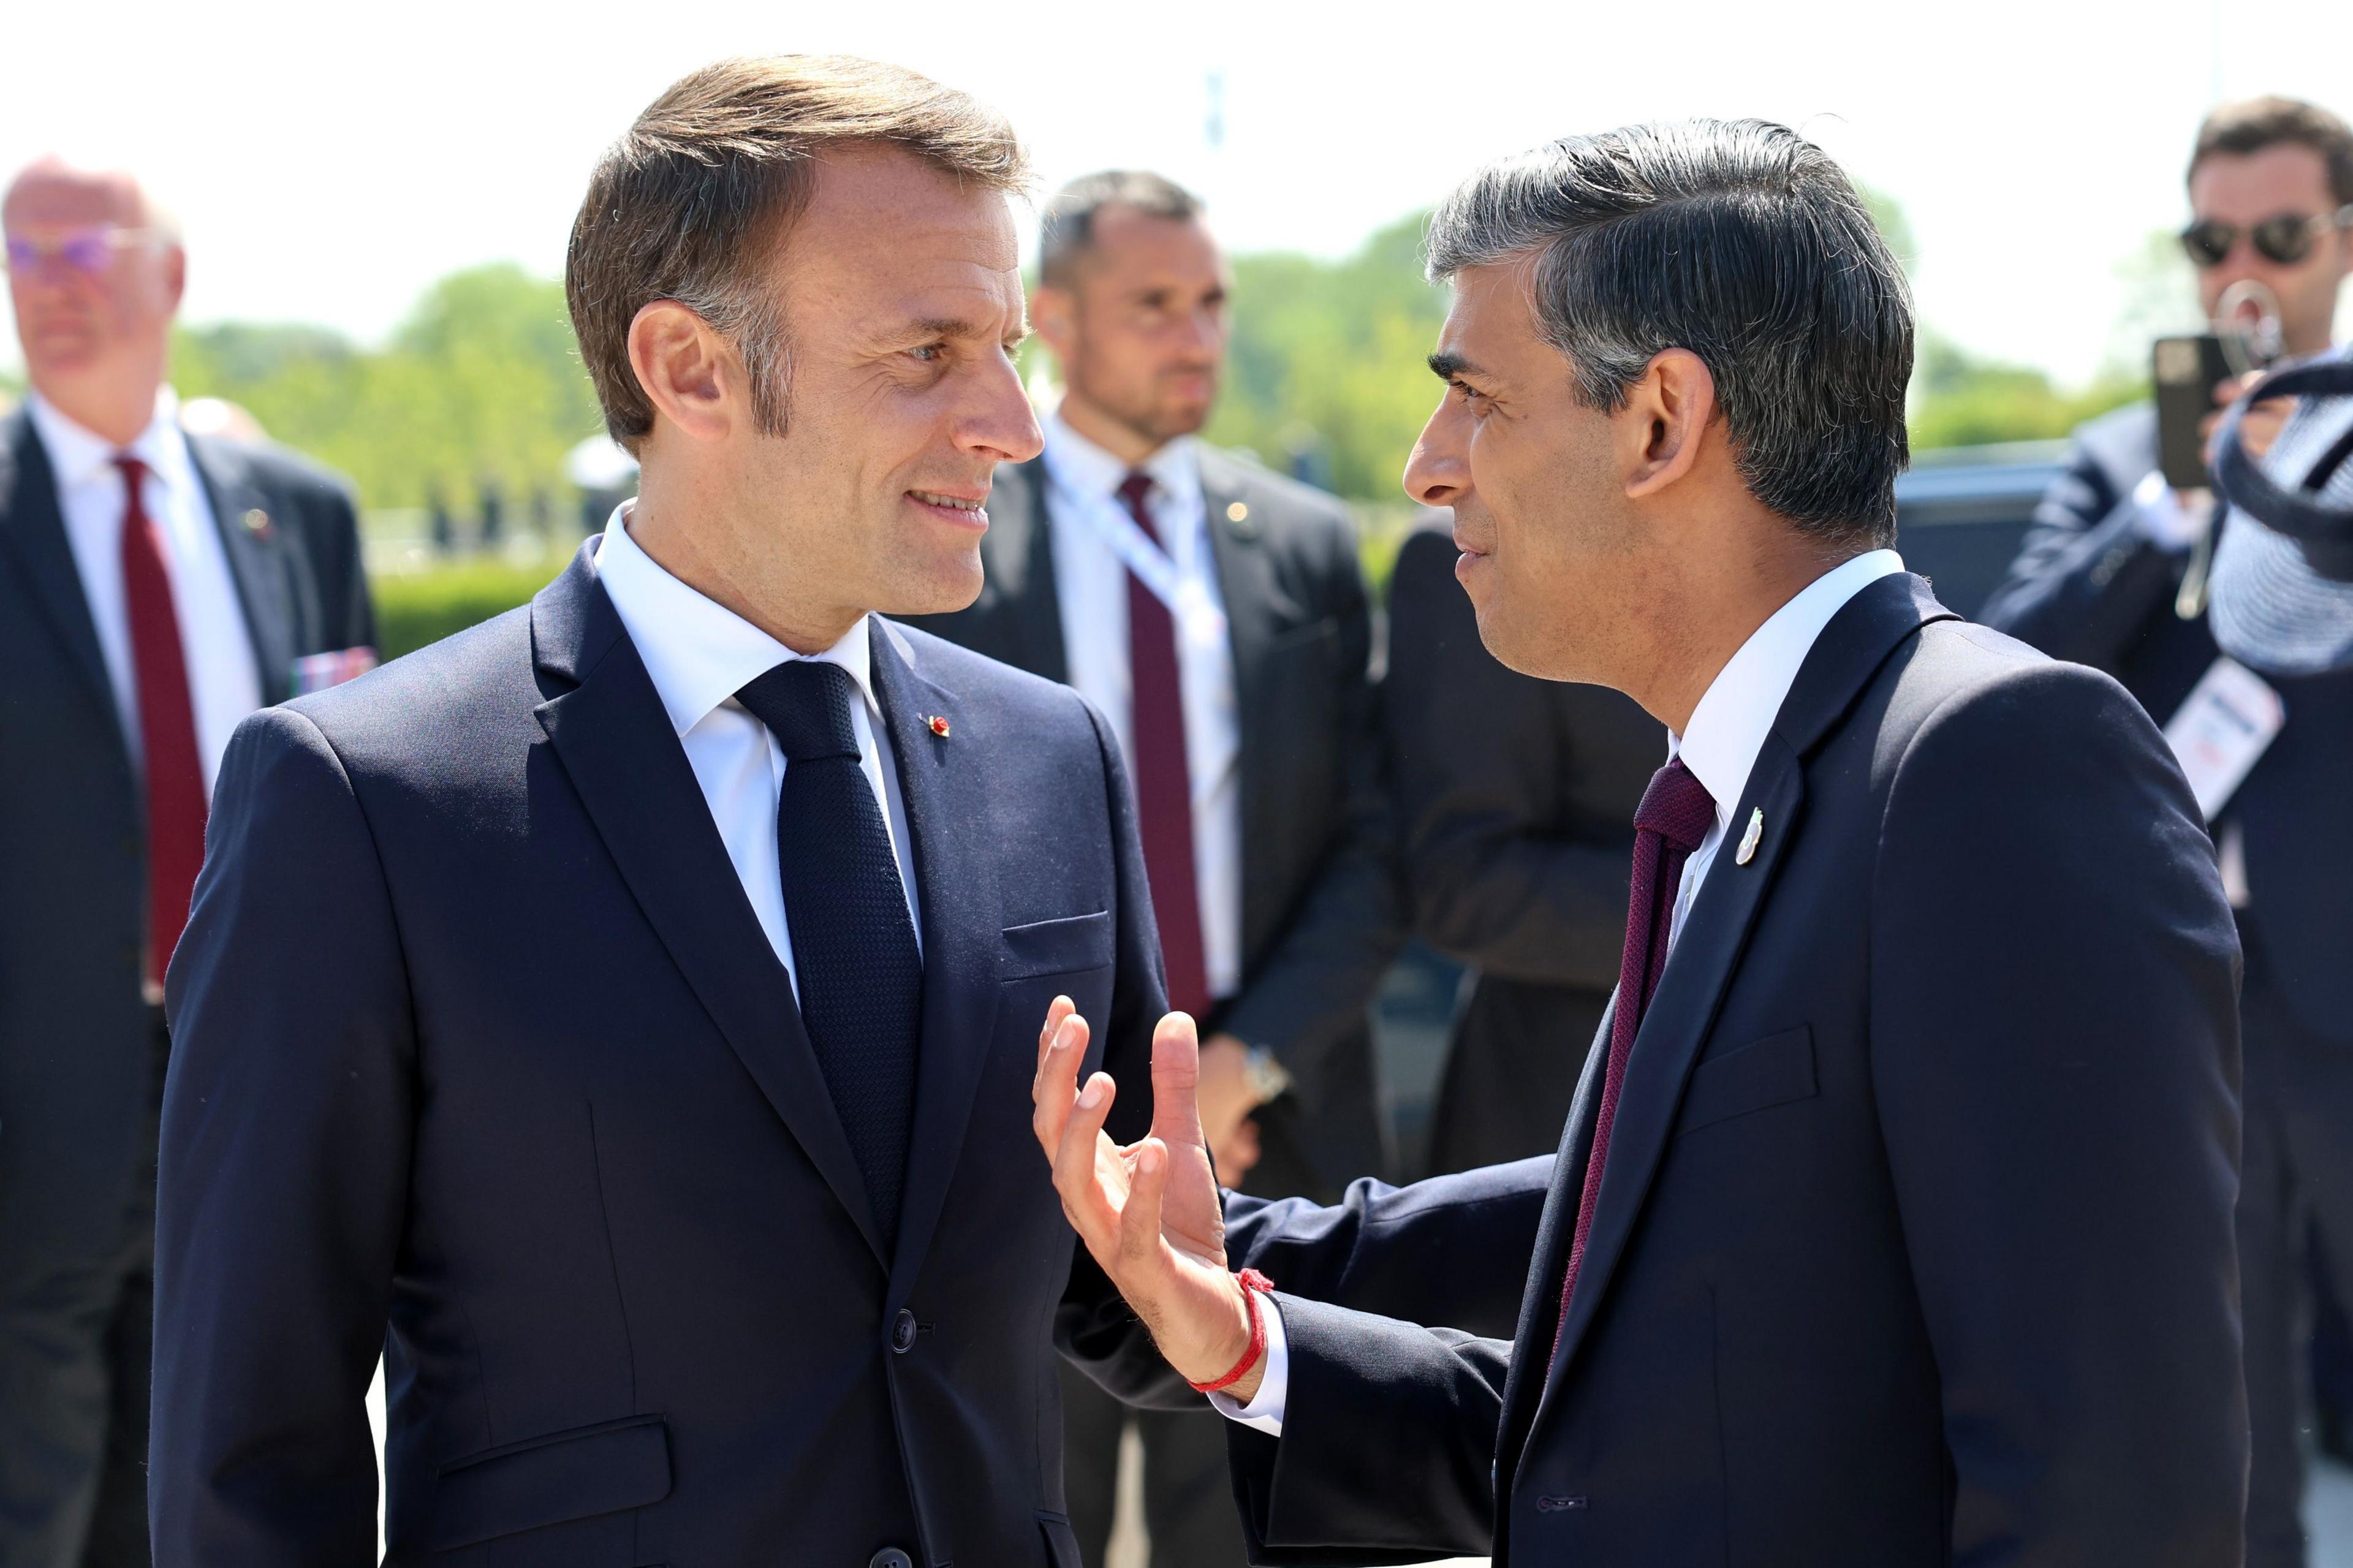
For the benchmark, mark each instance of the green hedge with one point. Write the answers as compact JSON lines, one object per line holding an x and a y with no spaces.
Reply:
{"x":415,"y":608}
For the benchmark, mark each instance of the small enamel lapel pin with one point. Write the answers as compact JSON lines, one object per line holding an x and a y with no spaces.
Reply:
{"x":937,"y":726}
{"x":1748,"y":840}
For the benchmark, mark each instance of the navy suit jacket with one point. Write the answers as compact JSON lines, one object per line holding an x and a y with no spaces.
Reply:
{"x":477,"y":1036}
{"x":2088,"y":586}
{"x":1914,"y":1244}
{"x":77,"y":1041}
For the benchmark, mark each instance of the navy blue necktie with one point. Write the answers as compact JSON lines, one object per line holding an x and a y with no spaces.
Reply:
{"x":859,"y":973}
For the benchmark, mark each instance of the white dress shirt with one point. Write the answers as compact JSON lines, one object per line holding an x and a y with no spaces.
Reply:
{"x":224,"y":682}
{"x":700,"y":654}
{"x":1090,"y":582}
{"x":1719,"y":745}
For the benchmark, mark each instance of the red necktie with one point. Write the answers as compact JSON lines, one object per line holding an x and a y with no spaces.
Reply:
{"x":167,"y":727}
{"x":1163,"y":782}
{"x":1673,"y":821}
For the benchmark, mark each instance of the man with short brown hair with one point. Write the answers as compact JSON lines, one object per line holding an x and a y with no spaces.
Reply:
{"x":630,"y":1003}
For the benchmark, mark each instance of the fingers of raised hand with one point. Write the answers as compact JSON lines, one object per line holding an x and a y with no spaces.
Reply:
{"x":1060,"y":1008}
{"x":1087,"y":1199}
{"x":1176,"y":1081}
{"x":1139,"y":1219}
{"x":1052,"y":1092}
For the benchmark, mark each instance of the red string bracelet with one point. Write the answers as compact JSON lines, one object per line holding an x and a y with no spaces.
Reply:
{"x":1251,"y":1281}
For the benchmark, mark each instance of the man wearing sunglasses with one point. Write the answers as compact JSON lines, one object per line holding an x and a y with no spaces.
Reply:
{"x":156,"y":588}
{"x":2114,"y":574}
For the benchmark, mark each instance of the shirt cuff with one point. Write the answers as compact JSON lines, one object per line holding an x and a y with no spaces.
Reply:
{"x":1264,"y":1412}
{"x":2159,"y":516}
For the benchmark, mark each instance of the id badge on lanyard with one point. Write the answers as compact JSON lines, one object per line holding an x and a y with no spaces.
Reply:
{"x":2222,"y":729}
{"x":1185,"y":596}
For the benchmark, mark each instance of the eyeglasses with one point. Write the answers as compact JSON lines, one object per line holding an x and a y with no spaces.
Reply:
{"x":89,"y":251}
{"x":2286,"y":239}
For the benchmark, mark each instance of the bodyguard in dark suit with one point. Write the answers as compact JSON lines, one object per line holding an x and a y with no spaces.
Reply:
{"x":1893,"y":1221}
{"x":1217,"y":615}
{"x":621,"y":1015}
{"x":1514,"y":800}
{"x":2115,"y":575}
{"x":156,"y":588}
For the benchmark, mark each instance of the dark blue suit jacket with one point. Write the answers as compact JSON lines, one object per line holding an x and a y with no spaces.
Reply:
{"x":76,"y":1042}
{"x":2088,"y":586}
{"x":478,"y":1035}
{"x":1915,"y":1247}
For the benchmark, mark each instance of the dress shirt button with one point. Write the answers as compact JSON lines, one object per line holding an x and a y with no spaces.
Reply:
{"x":902,"y":1340}
{"x":890,"y":1557}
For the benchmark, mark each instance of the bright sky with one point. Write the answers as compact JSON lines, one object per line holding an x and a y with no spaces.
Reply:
{"x":329,"y":162}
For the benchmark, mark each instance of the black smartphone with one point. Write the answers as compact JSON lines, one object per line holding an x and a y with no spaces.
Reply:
{"x":2186,"y":370}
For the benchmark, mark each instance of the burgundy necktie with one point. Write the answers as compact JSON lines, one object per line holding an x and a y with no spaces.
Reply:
{"x":167,"y":727}
{"x":1673,"y":821}
{"x":1163,"y":782}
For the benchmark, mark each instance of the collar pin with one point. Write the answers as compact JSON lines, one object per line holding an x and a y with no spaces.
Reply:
{"x":1748,"y":840}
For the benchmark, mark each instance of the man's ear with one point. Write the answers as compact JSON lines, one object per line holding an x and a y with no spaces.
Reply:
{"x":689,"y":373}
{"x":1667,"y":413}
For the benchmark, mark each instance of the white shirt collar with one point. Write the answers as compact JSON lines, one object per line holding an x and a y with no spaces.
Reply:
{"x":699,"y":652}
{"x":1085,"y":469}
{"x":79,"y":455}
{"x":1728,"y":727}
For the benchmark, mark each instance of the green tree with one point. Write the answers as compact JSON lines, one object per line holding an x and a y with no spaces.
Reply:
{"x":479,"y":385}
{"x":1327,"y":356}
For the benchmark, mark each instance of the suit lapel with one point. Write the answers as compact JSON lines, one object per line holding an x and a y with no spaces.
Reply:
{"x":1523,"y":1382}
{"x":32,"y":529}
{"x":955,"y":874}
{"x":1245,"y":577}
{"x":256,"y":560}
{"x":1677,"y":1024}
{"x":1254,"y":604}
{"x":1843,"y":660}
{"x":1018,"y":552}
{"x":616,"y":744}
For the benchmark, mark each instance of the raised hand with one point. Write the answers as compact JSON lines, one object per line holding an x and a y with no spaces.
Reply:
{"x":1147,"y":1211}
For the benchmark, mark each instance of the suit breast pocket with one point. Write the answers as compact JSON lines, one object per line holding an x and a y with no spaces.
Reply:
{"x":1776,"y":1071}
{"x":1056,"y":947}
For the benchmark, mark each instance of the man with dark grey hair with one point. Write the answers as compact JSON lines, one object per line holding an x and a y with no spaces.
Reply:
{"x":1892,"y":1222}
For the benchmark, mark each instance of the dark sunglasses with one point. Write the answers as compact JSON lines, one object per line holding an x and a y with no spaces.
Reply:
{"x":2286,"y":239}
{"x":89,"y":251}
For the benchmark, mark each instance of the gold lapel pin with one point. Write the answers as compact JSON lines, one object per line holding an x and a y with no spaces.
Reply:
{"x":937,"y":726}
{"x":1748,"y":840}
{"x":257,"y":523}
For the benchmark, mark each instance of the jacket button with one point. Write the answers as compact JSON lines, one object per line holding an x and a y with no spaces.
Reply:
{"x":902,"y":1340}
{"x":890,"y":1557}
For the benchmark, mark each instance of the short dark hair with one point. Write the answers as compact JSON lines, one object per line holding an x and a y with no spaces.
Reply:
{"x":1067,"y":230}
{"x":2237,"y":130}
{"x":1742,"y":242}
{"x":692,"y":203}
